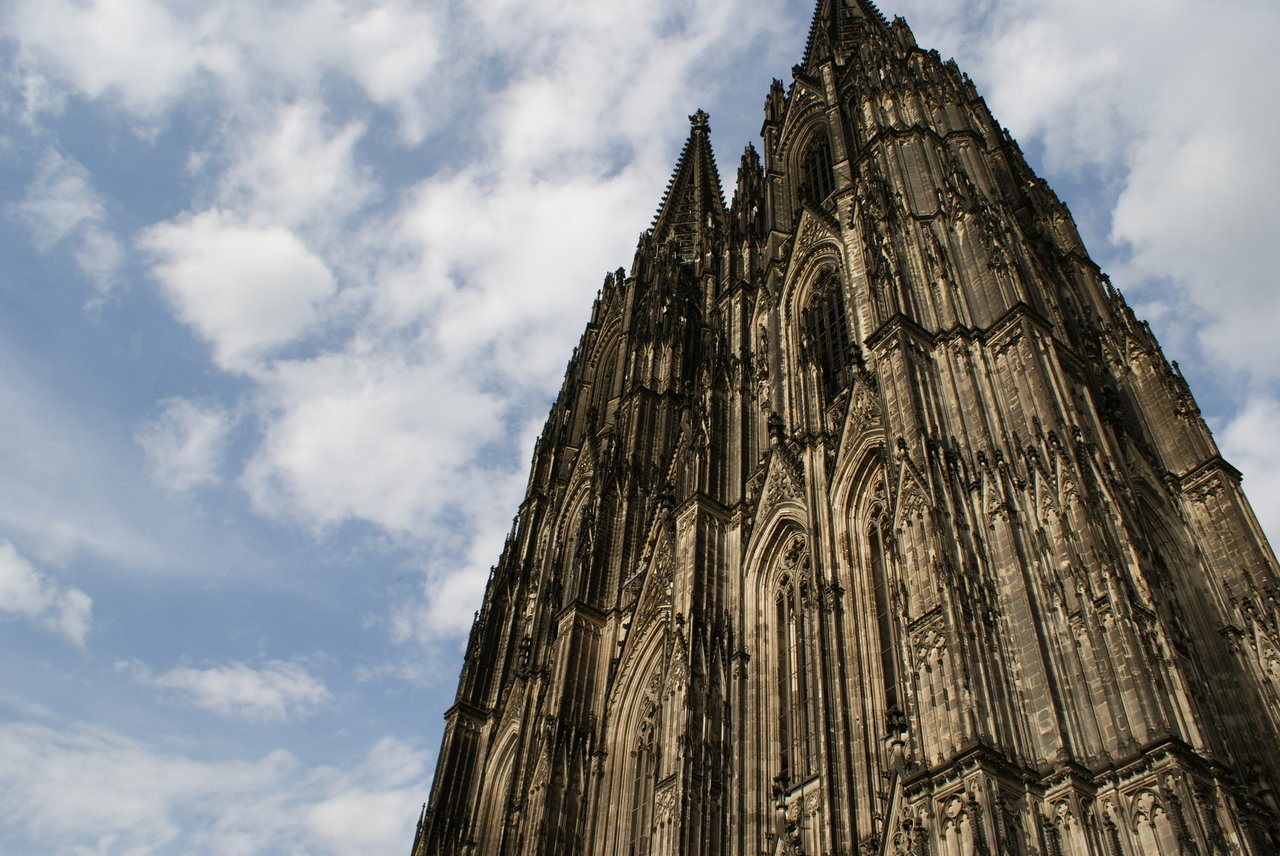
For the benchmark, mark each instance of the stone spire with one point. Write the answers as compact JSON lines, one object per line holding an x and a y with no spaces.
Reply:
{"x":692,"y":208}
{"x":836,"y":26}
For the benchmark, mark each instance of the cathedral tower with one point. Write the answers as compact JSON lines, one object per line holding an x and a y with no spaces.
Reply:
{"x":869,"y":520}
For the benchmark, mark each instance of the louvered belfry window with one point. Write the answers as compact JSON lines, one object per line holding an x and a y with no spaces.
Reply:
{"x":826,"y":335}
{"x":816,"y":178}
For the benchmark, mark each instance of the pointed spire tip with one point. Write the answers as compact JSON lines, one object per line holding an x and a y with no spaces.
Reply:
{"x":700,"y":121}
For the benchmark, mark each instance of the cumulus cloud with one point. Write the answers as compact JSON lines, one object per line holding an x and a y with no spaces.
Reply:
{"x":393,"y":51}
{"x":133,"y":51}
{"x":275,"y":692}
{"x":244,"y":290}
{"x":1248,"y":440}
{"x":378,"y":437}
{"x":80,"y":789}
{"x":576,"y":131}
{"x":185,"y":443}
{"x":266,"y":184}
{"x":62,"y":207}
{"x":27,"y":593}
{"x":146,"y":57}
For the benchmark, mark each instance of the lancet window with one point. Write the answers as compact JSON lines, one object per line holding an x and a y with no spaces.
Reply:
{"x":817,"y":179}
{"x":878,"y":549}
{"x":796,"y":690}
{"x":646,"y":757}
{"x":828,"y":344}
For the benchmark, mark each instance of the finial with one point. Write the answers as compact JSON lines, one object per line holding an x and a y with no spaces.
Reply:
{"x":700,"y":121}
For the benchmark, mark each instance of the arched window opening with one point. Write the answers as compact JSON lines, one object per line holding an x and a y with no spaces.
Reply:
{"x":817,"y":179}
{"x":878,"y":544}
{"x":796,"y":700}
{"x":828,"y":344}
{"x":644,"y":782}
{"x":497,"y":785}
{"x":785,"y":648}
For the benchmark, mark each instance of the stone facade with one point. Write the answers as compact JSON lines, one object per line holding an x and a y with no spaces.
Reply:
{"x":869,"y":520}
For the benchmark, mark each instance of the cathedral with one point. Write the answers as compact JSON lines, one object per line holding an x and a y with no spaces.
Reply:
{"x":869,"y":520}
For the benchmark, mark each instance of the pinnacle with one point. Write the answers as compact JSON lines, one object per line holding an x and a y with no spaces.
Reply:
{"x":693,"y":201}
{"x":834,"y":26}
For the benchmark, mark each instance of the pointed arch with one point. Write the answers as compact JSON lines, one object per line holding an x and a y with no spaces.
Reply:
{"x":635,"y":743}
{"x":1153,"y":827}
{"x":575,"y":534}
{"x":496,"y":794}
{"x":782,"y":638}
{"x":817,"y":329}
{"x":816,"y":178}
{"x":825,"y":334}
{"x":793,"y":667}
{"x":864,"y":524}
{"x":818,"y":263}
{"x":607,"y":373}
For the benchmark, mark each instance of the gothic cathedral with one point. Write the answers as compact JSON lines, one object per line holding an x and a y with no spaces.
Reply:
{"x":869,"y":520}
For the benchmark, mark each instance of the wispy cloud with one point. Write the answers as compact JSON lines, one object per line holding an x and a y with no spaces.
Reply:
{"x":62,"y":208}
{"x":27,"y":593}
{"x":275,"y":691}
{"x":185,"y":443}
{"x":148,"y":57}
{"x":66,"y":786}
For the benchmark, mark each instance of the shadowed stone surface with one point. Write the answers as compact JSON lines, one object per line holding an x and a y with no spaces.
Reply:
{"x":869,"y":520}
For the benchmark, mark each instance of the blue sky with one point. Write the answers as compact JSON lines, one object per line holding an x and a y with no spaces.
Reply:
{"x":286,"y":290}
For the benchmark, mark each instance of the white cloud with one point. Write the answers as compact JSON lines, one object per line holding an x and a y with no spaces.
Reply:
{"x":58,"y":200}
{"x":393,"y":51}
{"x":28,"y":593}
{"x":466,"y":276}
{"x":485,"y":305}
{"x":370,"y":435}
{"x":360,"y":819}
{"x":61,"y":205}
{"x":1249,"y":441}
{"x":265,"y":181}
{"x":275,"y":692}
{"x":130,"y":50}
{"x":147,"y":57}
{"x":185,"y":444}
{"x":244,"y":290}
{"x":80,"y":790}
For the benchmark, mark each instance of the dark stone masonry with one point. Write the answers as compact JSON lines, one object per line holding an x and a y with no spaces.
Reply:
{"x":869,"y":520}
